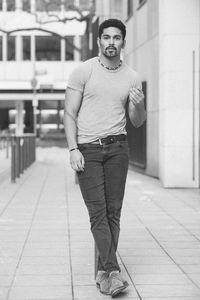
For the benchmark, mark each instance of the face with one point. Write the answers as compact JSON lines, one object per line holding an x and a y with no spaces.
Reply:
{"x":111,"y":42}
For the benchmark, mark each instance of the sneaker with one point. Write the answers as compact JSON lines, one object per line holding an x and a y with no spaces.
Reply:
{"x":117,"y":284}
{"x":102,"y":282}
{"x":99,"y":277}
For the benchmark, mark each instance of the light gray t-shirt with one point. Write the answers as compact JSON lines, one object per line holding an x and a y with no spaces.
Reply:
{"x":105,"y":93}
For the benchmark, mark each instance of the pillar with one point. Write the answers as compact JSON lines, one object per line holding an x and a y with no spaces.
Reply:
{"x":19,"y":119}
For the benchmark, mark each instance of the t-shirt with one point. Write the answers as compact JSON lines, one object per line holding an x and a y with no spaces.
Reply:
{"x":105,"y":93}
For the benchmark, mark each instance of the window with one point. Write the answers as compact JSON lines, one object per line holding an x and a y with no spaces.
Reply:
{"x":26,"y":40}
{"x":1,"y":5}
{"x":10,"y":5}
{"x":26,"y":5}
{"x":50,"y":5}
{"x":85,"y":4}
{"x":1,"y":42}
{"x":47,"y":48}
{"x":141,"y":3}
{"x":11,"y":48}
{"x":129,"y":8}
{"x":69,"y":49}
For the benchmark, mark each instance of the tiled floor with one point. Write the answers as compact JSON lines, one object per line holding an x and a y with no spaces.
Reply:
{"x":47,"y":251}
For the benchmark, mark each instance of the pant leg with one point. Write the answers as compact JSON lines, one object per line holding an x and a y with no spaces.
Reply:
{"x":92,"y":184}
{"x":115,"y":172}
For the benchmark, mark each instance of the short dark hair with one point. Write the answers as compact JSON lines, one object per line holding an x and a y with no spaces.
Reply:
{"x":112,"y":23}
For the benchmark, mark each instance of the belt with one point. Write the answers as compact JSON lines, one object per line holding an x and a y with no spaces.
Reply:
{"x":110,"y":139}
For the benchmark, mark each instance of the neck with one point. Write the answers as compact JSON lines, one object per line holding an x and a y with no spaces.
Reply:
{"x":110,"y":62}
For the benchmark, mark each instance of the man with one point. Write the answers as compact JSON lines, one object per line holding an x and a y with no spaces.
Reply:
{"x":98,"y":92}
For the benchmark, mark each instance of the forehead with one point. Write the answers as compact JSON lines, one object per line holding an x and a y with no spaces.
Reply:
{"x":112,"y":31}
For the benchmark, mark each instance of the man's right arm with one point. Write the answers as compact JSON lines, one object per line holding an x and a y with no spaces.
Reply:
{"x":73,"y":100}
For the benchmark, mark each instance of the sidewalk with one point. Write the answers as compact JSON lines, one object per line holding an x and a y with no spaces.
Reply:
{"x":5,"y":165}
{"x":47,"y":250}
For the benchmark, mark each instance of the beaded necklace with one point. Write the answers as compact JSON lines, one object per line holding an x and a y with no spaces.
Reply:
{"x":110,"y":68}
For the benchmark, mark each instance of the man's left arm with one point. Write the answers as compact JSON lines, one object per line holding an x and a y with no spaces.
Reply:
{"x":136,"y":109}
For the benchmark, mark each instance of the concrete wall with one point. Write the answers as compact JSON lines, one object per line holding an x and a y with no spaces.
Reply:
{"x":142,"y":53}
{"x":179,"y":93}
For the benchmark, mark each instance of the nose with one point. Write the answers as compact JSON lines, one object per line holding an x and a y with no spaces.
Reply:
{"x":111,"y":41}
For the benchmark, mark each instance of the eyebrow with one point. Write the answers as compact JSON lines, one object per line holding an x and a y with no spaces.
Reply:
{"x":116,"y":35}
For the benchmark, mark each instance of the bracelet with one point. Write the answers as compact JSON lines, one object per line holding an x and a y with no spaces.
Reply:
{"x":73,"y":149}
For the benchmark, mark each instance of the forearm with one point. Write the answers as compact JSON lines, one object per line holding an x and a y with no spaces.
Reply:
{"x":137,"y":113}
{"x":70,"y":130}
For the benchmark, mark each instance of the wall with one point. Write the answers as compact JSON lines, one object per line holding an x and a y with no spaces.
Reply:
{"x":178,"y":93}
{"x":142,"y":54}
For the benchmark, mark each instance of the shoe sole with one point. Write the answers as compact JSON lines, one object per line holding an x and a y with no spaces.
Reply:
{"x":125,"y":284}
{"x":119,"y":290}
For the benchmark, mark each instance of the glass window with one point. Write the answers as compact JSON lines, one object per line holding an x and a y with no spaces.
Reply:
{"x":26,"y":40}
{"x":11,"y":48}
{"x":47,"y":48}
{"x":85,"y":4}
{"x":0,"y":4}
{"x":10,"y":5}
{"x":50,"y":5}
{"x":26,"y":5}
{"x":68,"y":3}
{"x":141,"y":2}
{"x":129,"y":8}
{"x":1,"y":54}
{"x":69,"y":49}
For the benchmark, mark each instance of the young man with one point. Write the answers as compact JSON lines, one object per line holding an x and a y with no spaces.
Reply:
{"x":98,"y":92}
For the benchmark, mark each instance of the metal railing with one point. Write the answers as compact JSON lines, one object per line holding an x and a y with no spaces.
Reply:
{"x":23,"y":153}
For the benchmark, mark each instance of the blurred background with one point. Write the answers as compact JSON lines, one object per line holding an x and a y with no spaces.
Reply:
{"x":42,"y":41}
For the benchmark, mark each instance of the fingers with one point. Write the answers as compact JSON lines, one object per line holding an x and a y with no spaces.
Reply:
{"x":136,"y":95}
{"x":77,"y":161}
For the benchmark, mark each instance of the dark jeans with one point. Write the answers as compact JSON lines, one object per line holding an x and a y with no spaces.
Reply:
{"x":102,"y":185}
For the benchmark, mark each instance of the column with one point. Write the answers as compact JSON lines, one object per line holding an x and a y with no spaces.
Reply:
{"x":19,"y":119}
{"x":77,"y":43}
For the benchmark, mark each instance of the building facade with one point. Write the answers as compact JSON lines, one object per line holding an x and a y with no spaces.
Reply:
{"x":40,"y":44}
{"x":162,"y":44}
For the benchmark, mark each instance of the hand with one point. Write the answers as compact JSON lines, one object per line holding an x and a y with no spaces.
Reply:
{"x":77,"y":160}
{"x":136,"y":96}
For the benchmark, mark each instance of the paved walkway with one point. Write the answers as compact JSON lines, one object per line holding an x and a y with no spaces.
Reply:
{"x":5,"y":164}
{"x":46,"y":249}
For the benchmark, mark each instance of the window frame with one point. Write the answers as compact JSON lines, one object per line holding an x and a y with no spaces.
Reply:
{"x":141,"y":3}
{"x":129,"y":9}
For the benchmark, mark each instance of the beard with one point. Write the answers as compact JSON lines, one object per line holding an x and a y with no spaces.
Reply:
{"x":110,"y":52}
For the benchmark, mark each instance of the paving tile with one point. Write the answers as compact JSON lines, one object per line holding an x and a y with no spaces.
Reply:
{"x":43,"y":269}
{"x":42,"y":280}
{"x":91,"y":292}
{"x":153,"y":269}
{"x":191,"y":269}
{"x":157,"y":279}
{"x":3,"y":292}
{"x":5,"y":280}
{"x":46,"y":260}
{"x":140,"y":260}
{"x":40,"y":292}
{"x":168,"y":291}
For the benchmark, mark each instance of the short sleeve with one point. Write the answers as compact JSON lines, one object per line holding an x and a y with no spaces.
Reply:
{"x":77,"y":78}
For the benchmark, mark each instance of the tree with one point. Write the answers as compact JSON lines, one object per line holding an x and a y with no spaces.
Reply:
{"x":51,"y":17}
